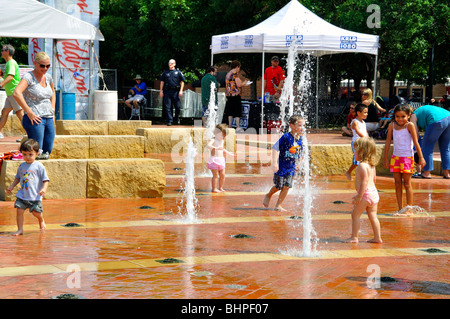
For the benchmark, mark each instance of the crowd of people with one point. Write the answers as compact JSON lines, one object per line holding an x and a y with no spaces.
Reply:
{"x":32,"y":97}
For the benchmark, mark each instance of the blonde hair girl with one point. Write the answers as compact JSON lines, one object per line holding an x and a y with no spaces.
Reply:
{"x":372,"y":121}
{"x":366,"y":198}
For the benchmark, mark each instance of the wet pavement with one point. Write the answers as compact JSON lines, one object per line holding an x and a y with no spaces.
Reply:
{"x":141,"y":248}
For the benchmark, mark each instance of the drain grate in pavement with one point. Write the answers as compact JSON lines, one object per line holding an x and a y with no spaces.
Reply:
{"x":433,"y":251}
{"x":72,"y":225}
{"x":241,"y":236}
{"x":338,"y":202}
{"x":68,"y":296}
{"x":170,"y":261}
{"x":146,"y":207}
{"x":387,"y":279}
{"x":295,"y":217}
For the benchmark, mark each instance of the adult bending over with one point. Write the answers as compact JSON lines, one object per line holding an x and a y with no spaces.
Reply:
{"x":435,"y":121}
{"x":36,"y":96}
{"x":372,"y":121}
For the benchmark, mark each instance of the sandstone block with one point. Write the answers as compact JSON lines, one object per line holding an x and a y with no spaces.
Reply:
{"x":71,"y":147}
{"x":126,"y":178}
{"x":81,"y":127}
{"x":126,"y":127}
{"x":16,"y":127}
{"x":68,"y":179}
{"x":116,"y":146}
{"x":13,"y":127}
{"x":169,"y":140}
{"x":329,"y":159}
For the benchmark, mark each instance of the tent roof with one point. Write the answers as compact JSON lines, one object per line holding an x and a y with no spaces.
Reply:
{"x":32,"y":19}
{"x":313,"y":34}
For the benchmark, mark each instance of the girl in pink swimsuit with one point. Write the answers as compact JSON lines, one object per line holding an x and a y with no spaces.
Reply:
{"x":366,"y":198}
{"x":216,"y":161}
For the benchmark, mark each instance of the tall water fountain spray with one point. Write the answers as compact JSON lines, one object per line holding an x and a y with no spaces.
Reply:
{"x":210,"y":124}
{"x":189,"y":202}
{"x":212,"y":111}
{"x":294,"y":100}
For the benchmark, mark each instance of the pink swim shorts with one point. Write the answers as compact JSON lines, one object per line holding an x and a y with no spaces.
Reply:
{"x":216,"y":163}
{"x":371,"y":196}
{"x":400,"y":164}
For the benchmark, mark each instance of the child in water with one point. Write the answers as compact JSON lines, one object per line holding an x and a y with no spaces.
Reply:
{"x":285,"y":154}
{"x":216,"y":161}
{"x":402,"y":161}
{"x":33,"y":180}
{"x":366,"y":198}
{"x":359,"y":130}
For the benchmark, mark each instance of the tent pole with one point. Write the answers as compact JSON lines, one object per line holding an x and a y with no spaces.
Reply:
{"x":375,"y":76}
{"x":91,"y":82}
{"x":55,"y":79}
{"x":262,"y":93}
{"x":212,"y":59}
{"x":317,"y":92}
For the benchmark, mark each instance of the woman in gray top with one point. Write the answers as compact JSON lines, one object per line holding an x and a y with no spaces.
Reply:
{"x":36,"y":96}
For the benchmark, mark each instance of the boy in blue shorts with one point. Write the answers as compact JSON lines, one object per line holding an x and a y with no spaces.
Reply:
{"x":33,"y":180}
{"x":285,"y":154}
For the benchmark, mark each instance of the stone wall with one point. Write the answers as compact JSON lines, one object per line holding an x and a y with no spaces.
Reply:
{"x":94,"y":178}
{"x":171,"y":140}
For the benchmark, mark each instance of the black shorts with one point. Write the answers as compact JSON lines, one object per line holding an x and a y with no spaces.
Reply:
{"x":234,"y":106}
{"x":281,"y":181}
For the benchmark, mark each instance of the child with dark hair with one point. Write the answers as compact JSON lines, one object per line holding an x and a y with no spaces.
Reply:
{"x":402,"y":161}
{"x":358,"y":130}
{"x":33,"y":180}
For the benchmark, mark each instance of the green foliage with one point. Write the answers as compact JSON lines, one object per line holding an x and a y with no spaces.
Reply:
{"x":142,"y":35}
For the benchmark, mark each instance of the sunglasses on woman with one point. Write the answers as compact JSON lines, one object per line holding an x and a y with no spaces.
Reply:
{"x":44,"y":66}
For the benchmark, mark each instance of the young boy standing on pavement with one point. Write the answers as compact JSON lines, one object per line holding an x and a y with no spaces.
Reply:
{"x":33,"y":180}
{"x":285,"y":154}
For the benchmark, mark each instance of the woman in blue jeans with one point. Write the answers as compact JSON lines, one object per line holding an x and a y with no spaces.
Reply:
{"x":436,"y":123}
{"x":36,"y":96}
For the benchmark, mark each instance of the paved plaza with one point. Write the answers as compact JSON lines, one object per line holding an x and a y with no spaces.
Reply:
{"x":140,"y":248}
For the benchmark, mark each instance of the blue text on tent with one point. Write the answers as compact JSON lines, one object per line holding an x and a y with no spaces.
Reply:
{"x":348,"y":42}
{"x":290,"y":39}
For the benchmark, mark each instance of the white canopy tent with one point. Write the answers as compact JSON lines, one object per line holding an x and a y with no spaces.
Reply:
{"x":32,"y":19}
{"x":294,"y":22}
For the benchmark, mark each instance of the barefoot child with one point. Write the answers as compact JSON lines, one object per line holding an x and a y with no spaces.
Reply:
{"x":359,"y":130}
{"x":402,"y":160}
{"x":33,"y":181}
{"x":285,"y":154}
{"x":216,"y":161}
{"x":366,"y":198}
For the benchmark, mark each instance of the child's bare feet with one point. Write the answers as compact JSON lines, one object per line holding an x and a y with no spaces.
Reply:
{"x":280,"y":209}
{"x":17,"y":233}
{"x":352,"y":240}
{"x":221,"y":190}
{"x":375,"y":241}
{"x":266,"y":201}
{"x":216,"y":191}
{"x":348,"y":175}
{"x":42,"y":225}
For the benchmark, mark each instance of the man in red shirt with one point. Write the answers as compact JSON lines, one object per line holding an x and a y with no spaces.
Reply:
{"x":274,"y":79}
